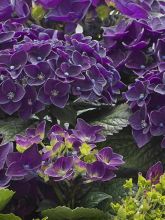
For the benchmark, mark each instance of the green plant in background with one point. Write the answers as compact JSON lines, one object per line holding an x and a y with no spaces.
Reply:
{"x":144,"y":201}
{"x":65,"y":213}
{"x":5,"y":197}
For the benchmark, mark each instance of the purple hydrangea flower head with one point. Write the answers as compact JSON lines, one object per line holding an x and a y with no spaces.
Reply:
{"x":69,"y":12}
{"x":61,"y":169}
{"x":140,"y":124}
{"x":155,"y":172}
{"x":38,"y":53}
{"x":131,"y":9}
{"x":66,"y":157}
{"x":108,"y":157}
{"x":30,"y":105}
{"x":55,"y":92}
{"x":98,"y":172}
{"x":52,"y":68}
{"x":69,"y":72}
{"x":137,"y":62}
{"x":32,"y":136}
{"x":137,"y":93}
{"x":14,"y":63}
{"x":5,"y":10}
{"x":97,"y":80}
{"x":49,"y":3}
{"x":23,"y":164}
{"x":83,"y":60}
{"x":88,"y":133}
{"x":158,"y":122}
{"x":37,"y":74}
{"x":11,"y":95}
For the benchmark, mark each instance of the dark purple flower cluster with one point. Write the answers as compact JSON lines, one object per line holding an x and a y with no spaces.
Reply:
{"x":38,"y":69}
{"x":137,"y":48}
{"x":139,"y":9}
{"x":132,"y":44}
{"x":17,"y":10}
{"x":69,"y":12}
{"x":65,"y":154}
{"x":146,"y":98}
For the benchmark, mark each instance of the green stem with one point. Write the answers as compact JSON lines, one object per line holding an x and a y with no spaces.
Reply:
{"x":59,"y":194}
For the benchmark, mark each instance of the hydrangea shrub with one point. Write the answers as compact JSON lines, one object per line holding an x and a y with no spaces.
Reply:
{"x":94,"y":69}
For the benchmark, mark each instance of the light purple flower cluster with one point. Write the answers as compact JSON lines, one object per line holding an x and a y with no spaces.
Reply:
{"x":65,"y":154}
{"x":38,"y":69}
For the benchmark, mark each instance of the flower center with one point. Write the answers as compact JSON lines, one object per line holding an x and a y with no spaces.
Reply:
{"x":143,"y":124}
{"x":142,"y":67}
{"x":141,"y":96}
{"x":54,"y":92}
{"x":61,"y":172}
{"x":78,"y":88}
{"x":12,"y":67}
{"x":26,"y":166}
{"x":66,"y":74}
{"x":150,"y":50}
{"x":30,"y":102}
{"x":10,"y":95}
{"x":39,"y":58}
{"x":93,"y":81}
{"x":161,"y":125}
{"x":24,"y":81}
{"x":41,"y":76}
{"x":2,"y":77}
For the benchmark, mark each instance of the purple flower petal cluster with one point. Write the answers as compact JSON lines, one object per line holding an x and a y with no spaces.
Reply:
{"x":133,"y":45}
{"x":147,"y":101}
{"x":136,"y":48}
{"x":17,"y":10}
{"x":155,"y":172}
{"x":69,"y":12}
{"x":139,"y":9}
{"x":5,"y":150}
{"x":38,"y":67}
{"x":65,"y":154}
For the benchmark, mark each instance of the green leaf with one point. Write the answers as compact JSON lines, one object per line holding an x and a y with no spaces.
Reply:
{"x":9,"y":217}
{"x":65,"y":213}
{"x":88,"y":214}
{"x":116,"y":119}
{"x":5,"y":197}
{"x":59,"y":213}
{"x":103,"y":12}
{"x":93,"y":199}
{"x":65,"y":115}
{"x":12,"y":126}
{"x":37,"y":12}
{"x":46,"y":218}
{"x":115,"y":189}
